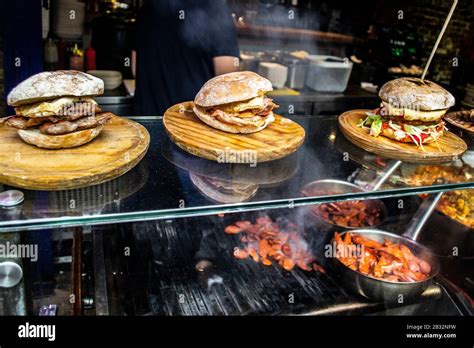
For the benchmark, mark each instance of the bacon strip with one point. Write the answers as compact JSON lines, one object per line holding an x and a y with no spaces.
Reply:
{"x":234,"y":118}
{"x":267,"y":242}
{"x":23,"y":122}
{"x":268,"y":107}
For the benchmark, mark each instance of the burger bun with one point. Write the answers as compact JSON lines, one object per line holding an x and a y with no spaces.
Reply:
{"x":231,"y":88}
{"x":55,"y":84}
{"x":65,"y":141}
{"x":390,"y":133}
{"x":416,"y":94}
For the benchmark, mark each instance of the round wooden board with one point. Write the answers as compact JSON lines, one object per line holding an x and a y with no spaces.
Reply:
{"x":277,"y":140}
{"x":452,"y":147}
{"x":454,"y":119}
{"x":120,"y":146}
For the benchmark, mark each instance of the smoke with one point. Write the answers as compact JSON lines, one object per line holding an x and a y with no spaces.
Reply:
{"x":281,"y":17}
{"x":204,"y":24}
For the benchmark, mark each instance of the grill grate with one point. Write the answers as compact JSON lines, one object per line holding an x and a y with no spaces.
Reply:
{"x":229,"y":286}
{"x":160,"y":277}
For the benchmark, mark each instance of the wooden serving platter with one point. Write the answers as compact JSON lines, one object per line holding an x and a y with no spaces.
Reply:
{"x":455,"y":119}
{"x":186,"y":130}
{"x":120,"y":146}
{"x":452,"y":147}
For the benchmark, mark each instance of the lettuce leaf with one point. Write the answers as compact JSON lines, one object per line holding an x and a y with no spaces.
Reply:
{"x":376,"y":127}
{"x":411,"y":129}
{"x":374,"y":122}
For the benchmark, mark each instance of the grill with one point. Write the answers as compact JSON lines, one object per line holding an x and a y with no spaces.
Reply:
{"x":160,"y":275}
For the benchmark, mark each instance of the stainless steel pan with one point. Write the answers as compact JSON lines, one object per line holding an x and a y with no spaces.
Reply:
{"x":387,"y":291}
{"x":341,"y":187}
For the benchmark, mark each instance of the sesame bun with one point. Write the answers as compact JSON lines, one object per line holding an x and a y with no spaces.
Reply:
{"x":413,"y":93}
{"x":232,"y":87}
{"x":53,"y":84}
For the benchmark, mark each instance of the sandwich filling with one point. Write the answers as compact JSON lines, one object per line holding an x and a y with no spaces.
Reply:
{"x":58,"y":116}
{"x":397,"y":127}
{"x":253,"y":112}
{"x":59,"y":106}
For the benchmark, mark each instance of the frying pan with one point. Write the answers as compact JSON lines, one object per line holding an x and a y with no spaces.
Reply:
{"x":341,"y":187}
{"x":388,"y":291}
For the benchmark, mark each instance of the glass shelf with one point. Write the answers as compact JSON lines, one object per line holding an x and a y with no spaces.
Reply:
{"x":169,"y":183}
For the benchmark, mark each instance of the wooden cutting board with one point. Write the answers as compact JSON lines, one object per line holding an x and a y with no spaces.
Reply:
{"x":120,"y":146}
{"x":452,"y":147}
{"x":186,"y":130}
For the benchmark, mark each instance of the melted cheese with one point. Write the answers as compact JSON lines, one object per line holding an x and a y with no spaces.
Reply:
{"x":414,"y":115}
{"x":51,"y":107}
{"x":254,"y":103}
{"x":246,"y":114}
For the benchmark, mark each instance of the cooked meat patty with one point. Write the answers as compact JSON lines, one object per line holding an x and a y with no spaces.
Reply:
{"x":22,"y":122}
{"x":65,"y":127}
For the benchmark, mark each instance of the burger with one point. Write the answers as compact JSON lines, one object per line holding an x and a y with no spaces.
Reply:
{"x":411,"y":111}
{"x":55,"y":110}
{"x":235,"y":102}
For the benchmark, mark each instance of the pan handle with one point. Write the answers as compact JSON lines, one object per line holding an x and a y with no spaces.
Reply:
{"x":421,"y":216}
{"x":379,"y":182}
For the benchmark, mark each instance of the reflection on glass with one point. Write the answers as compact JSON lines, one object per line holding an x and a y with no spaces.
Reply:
{"x":161,"y":187}
{"x":230,"y":182}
